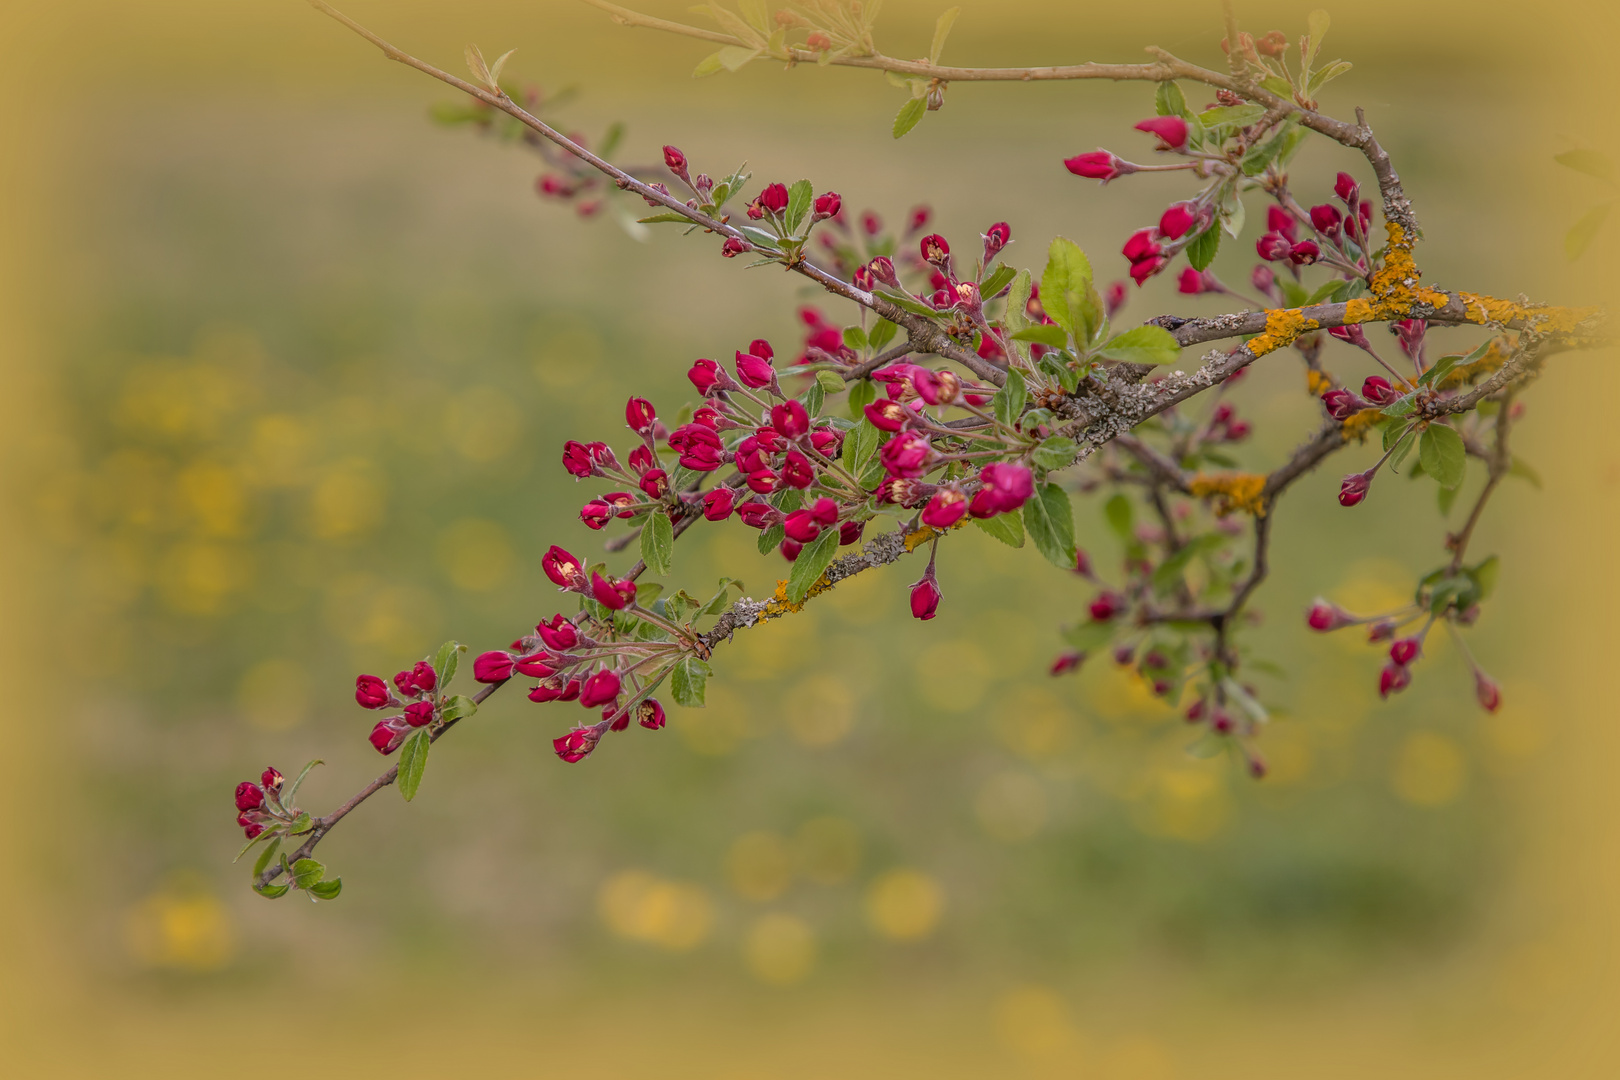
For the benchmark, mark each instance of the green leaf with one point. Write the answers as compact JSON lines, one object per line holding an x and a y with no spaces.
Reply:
{"x":855,"y":337}
{"x":1590,"y":162}
{"x":1201,"y":251}
{"x":1016,"y":317}
{"x":812,"y":562}
{"x":273,"y":892}
{"x":999,"y":279}
{"x":831,"y":382}
{"x":1050,"y":521}
{"x":800,"y":196}
{"x":862,"y":394}
{"x":1524,"y":472}
{"x":734,"y":57}
{"x":660,"y":218}
{"x":306,"y":872}
{"x":689,"y":681}
{"x":860,"y":445}
{"x":1316,"y":25}
{"x":1142,"y":345}
{"x":722,"y":597}
{"x":1117,"y":510}
{"x":1255,"y":161}
{"x":1067,"y":291}
{"x":1401,"y":406}
{"x":290,"y":792}
{"x":911,"y":112}
{"x":1008,"y":528}
{"x":1231,"y":211}
{"x":709,"y":65}
{"x":907,"y":303}
{"x":1231,"y":115}
{"x":327,"y":890}
{"x":881,"y":334}
{"x":1088,"y":637}
{"x":459,"y":708}
{"x":1045,"y":333}
{"x":1446,"y":497}
{"x":1168,"y":100}
{"x":1009,"y":400}
{"x":815,"y":398}
{"x":265,"y":856}
{"x":1055,"y":453}
{"x":942,"y":30}
{"x":444,"y":670}
{"x":770,"y":538}
{"x":1581,"y":233}
{"x":1327,"y":75}
{"x":1403,"y":448}
{"x":412,"y":760}
{"x":658,"y":543}
{"x":1484,"y":575}
{"x":1443,"y":455}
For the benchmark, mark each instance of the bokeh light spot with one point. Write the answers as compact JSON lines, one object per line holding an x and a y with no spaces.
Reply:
{"x":905,"y":905}
{"x":780,"y":949}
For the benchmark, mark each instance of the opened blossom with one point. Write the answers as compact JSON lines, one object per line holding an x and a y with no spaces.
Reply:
{"x":1004,"y":486}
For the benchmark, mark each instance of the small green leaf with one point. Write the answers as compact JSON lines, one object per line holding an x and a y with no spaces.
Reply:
{"x":812,"y":562}
{"x":660,"y":218}
{"x":273,"y":892}
{"x":942,"y":30}
{"x":814,"y":398}
{"x":1443,"y":455}
{"x":1201,"y":252}
{"x":800,"y":197}
{"x":1581,"y":233}
{"x":1008,"y":528}
{"x":1009,"y":400}
{"x":1523,"y":471}
{"x":1055,"y":453}
{"x":1045,"y":333}
{"x":860,"y":445}
{"x":327,"y":890}
{"x":1590,"y":162}
{"x":734,"y":57}
{"x":658,"y":543}
{"x":999,"y":279}
{"x":1327,"y":75}
{"x":881,"y":334}
{"x":265,"y":856}
{"x":306,"y":872}
{"x":911,"y":112}
{"x":1316,"y":25}
{"x":907,"y":303}
{"x":722,"y":597}
{"x":290,"y":792}
{"x":412,"y":760}
{"x":862,"y":394}
{"x":1142,"y":345}
{"x":855,"y":337}
{"x":1050,"y":521}
{"x":770,"y":538}
{"x":1067,"y":291}
{"x":689,"y":681}
{"x":444,"y":667}
{"x":831,"y":382}
{"x":1231,"y":115}
{"x":1117,"y":510}
{"x":709,"y":65}
{"x":1168,"y":100}
{"x":1401,"y":406}
{"x":458,"y":708}
{"x":1484,"y":575}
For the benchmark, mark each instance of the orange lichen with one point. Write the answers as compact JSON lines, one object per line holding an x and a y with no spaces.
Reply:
{"x":1357,"y":426}
{"x":1283,"y":325}
{"x":1318,"y":382}
{"x":1232,"y":491}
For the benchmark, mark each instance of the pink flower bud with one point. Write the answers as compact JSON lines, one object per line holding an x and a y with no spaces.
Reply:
{"x":1393,"y":679}
{"x":577,"y":744}
{"x":1281,"y":221}
{"x":250,"y":828}
{"x":639,"y":415}
{"x":654,"y":483}
{"x":945,"y":509}
{"x":1177,"y":220}
{"x":577,"y":459}
{"x":1141,"y":271}
{"x":1098,"y":165}
{"x":371,"y":692}
{"x":419,"y":713}
{"x":1354,"y":488}
{"x":1082,"y":563}
{"x":907,"y":455}
{"x":790,"y":419}
{"x":937,"y":387}
{"x":614,"y":595}
{"x":423,"y":677}
{"x":1325,"y":616}
{"x":1004,"y":486}
{"x":1221,"y":723}
{"x":1486,"y":691}
{"x":754,"y":371}
{"x":1378,"y":391}
{"x":1114,"y":297}
{"x":493,"y":666}
{"x":717,"y":504}
{"x":1106,"y":606}
{"x":790,"y":549}
{"x":1342,"y":404}
{"x":801,"y":527}
{"x":599,"y":689}
{"x":995,"y":238}
{"x":249,"y":796}
{"x":1273,"y":246}
{"x":1383,"y":630}
{"x":555,"y":690}
{"x":824,"y":511}
{"x":1192,"y":282}
{"x":828,"y":443}
{"x":1304,"y":253}
{"x":402,"y":682}
{"x":883,"y":269}
{"x":863,"y":278}
{"x":1263,"y":279}
{"x":559,"y":633}
{"x":774,"y":198}
{"x":596,"y":514}
{"x":561,"y":567}
{"x":1405,"y":650}
{"x":887,"y":415}
{"x":1171,"y":130}
{"x":758,"y":515}
{"x":1140,"y":246}
{"x":797,"y":472}
{"x":1067,"y":662}
{"x":675,"y":161}
{"x":389,"y":734}
{"x":734,"y":247}
{"x":1411,"y":332}
{"x":1325,"y":219}
{"x":925,"y":596}
{"x":271,"y":779}
{"x":849,"y":532}
{"x":705,"y":374}
{"x":1346,"y":188}
{"x":934,"y":249}
{"x":871,"y":223}
{"x":650,"y":714}
{"x":828,"y":205}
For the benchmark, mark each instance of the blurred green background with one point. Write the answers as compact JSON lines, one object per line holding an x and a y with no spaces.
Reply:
{"x":290,"y":372}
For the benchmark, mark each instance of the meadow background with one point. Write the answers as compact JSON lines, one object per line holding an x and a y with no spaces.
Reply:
{"x":288,"y":371}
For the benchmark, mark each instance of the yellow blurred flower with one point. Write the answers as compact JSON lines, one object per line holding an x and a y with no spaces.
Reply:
{"x":182,"y":925}
{"x":780,"y":949}
{"x":904,"y":905}
{"x":643,"y":907}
